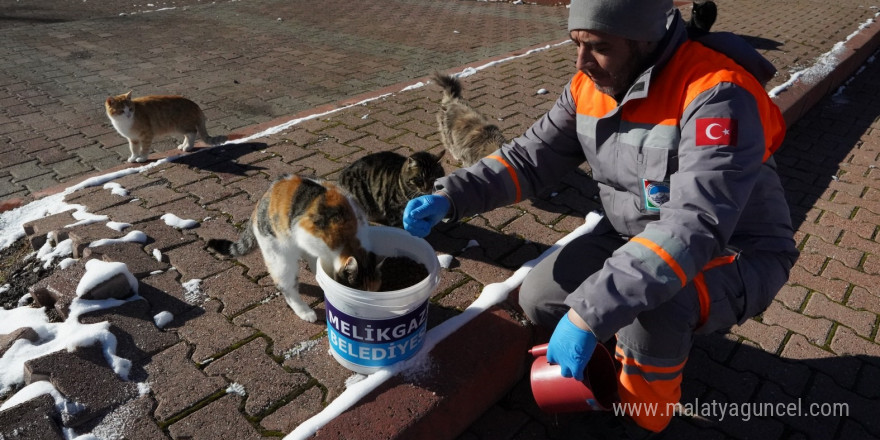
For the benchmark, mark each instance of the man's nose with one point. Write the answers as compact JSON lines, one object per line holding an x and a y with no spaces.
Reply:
{"x":583,"y":58}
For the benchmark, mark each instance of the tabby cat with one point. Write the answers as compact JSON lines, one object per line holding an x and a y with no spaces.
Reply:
{"x":384,"y":182}
{"x":465,"y":132}
{"x":141,"y":119}
{"x":300,"y":217}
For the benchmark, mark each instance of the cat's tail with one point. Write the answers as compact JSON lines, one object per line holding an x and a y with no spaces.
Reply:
{"x":210,"y":140}
{"x":247,"y":241}
{"x":450,"y":84}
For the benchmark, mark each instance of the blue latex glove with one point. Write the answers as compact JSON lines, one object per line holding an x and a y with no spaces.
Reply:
{"x":423,"y":212}
{"x":571,"y":347}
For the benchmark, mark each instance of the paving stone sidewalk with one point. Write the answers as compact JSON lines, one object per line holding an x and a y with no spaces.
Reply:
{"x":236,"y":363}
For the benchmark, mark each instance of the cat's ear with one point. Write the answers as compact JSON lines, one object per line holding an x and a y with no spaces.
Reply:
{"x":350,"y":268}
{"x":128,"y":95}
{"x":440,"y":155}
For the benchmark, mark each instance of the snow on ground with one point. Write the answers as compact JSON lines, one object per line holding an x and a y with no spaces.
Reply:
{"x":71,"y":334}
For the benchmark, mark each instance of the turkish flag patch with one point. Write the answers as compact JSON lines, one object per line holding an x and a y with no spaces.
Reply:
{"x":716,"y":131}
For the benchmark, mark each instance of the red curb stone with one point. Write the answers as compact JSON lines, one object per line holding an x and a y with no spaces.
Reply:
{"x":31,"y":420}
{"x":265,"y":381}
{"x":84,"y":377}
{"x":12,"y":203}
{"x":442,"y":400}
{"x":219,"y":420}
{"x":176,"y":382}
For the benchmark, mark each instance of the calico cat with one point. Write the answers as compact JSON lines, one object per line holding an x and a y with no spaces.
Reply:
{"x":466,"y":133}
{"x":141,"y":119}
{"x":703,"y":15}
{"x":384,"y":182}
{"x":300,"y":217}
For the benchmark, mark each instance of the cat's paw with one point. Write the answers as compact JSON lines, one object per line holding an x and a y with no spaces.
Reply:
{"x":309,"y":316}
{"x":185,"y":147}
{"x":139,"y":159}
{"x":301,"y":309}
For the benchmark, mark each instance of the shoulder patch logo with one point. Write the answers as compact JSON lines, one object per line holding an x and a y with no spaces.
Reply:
{"x":716,"y":131}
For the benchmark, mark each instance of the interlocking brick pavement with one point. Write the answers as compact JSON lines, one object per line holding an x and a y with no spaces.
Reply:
{"x":237,"y":341}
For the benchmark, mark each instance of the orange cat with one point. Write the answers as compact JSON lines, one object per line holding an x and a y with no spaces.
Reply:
{"x":141,"y":119}
{"x":310,"y":219}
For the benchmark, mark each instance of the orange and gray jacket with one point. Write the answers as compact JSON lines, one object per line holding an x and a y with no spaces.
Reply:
{"x":683,"y":164}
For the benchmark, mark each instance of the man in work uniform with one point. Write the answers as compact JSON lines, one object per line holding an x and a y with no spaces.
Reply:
{"x":697,"y":234}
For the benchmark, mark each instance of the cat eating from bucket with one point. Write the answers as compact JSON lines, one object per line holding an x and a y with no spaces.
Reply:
{"x":300,"y":217}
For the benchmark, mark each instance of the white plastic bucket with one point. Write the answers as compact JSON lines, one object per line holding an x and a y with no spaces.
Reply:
{"x":371,"y":330}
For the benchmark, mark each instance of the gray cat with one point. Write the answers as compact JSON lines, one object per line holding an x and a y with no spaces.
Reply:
{"x":383,"y":183}
{"x":466,"y":133}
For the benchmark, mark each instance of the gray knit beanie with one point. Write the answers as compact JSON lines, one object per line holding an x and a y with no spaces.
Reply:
{"x":642,"y":20}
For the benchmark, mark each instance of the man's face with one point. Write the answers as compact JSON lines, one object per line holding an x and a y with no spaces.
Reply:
{"x":612,"y":62}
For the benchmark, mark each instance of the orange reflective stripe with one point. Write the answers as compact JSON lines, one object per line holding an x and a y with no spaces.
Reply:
{"x":639,"y":393}
{"x":665,"y":256}
{"x":703,"y":296}
{"x":720,"y":261}
{"x":619,"y":354}
{"x":512,"y":173}
{"x":703,"y":290}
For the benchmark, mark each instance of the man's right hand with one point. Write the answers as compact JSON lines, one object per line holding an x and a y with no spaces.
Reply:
{"x":422,"y":213}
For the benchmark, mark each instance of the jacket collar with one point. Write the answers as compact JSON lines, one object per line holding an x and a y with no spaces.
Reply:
{"x":676,"y":35}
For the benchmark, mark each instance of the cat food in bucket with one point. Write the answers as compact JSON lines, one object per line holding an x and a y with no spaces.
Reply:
{"x":371,"y":330}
